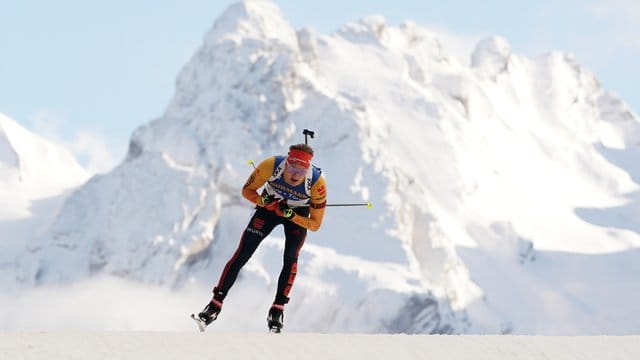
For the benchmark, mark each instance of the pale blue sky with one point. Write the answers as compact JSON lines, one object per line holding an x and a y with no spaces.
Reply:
{"x":88,"y":73}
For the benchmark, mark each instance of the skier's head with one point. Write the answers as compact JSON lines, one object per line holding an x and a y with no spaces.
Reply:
{"x":298,"y":163}
{"x":300,"y":155}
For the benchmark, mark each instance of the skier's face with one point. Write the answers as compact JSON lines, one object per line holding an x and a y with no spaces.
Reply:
{"x":294,"y":174}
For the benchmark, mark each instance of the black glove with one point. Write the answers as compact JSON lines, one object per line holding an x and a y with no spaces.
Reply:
{"x":283,"y":209}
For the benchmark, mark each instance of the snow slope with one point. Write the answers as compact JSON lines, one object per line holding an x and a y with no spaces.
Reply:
{"x":505,"y":188}
{"x":158,"y":345}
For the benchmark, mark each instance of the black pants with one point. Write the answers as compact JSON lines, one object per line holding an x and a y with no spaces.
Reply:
{"x":260,"y":226}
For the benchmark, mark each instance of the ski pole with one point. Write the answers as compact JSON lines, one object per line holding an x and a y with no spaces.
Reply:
{"x":368,"y":205}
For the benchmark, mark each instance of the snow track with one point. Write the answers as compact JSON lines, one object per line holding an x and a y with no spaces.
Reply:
{"x":162,"y":345}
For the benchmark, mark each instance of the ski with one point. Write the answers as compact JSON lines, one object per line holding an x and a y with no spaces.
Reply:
{"x":201,"y":325}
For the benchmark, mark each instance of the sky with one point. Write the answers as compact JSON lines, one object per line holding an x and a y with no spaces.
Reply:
{"x":86,"y":74}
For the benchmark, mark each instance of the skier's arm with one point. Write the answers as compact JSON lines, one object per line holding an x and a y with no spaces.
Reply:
{"x":258,"y":177}
{"x":316,"y":208}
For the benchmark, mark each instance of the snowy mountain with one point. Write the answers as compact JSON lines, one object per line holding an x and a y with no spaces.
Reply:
{"x":35,"y":177}
{"x":505,"y":191}
{"x":32,"y":167}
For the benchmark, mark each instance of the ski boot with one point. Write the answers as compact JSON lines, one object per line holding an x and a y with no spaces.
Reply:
{"x":208,"y":314}
{"x":275,"y":318}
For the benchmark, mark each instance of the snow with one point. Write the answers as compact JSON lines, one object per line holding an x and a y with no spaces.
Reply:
{"x":36,"y":176}
{"x":32,"y":168}
{"x":162,"y":345}
{"x":505,"y":192}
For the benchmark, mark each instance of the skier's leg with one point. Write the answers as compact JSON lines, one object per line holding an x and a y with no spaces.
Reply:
{"x":294,"y":239}
{"x":295,"y":236}
{"x":261,"y":224}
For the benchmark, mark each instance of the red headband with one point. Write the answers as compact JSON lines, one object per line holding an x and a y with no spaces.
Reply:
{"x":300,"y":158}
